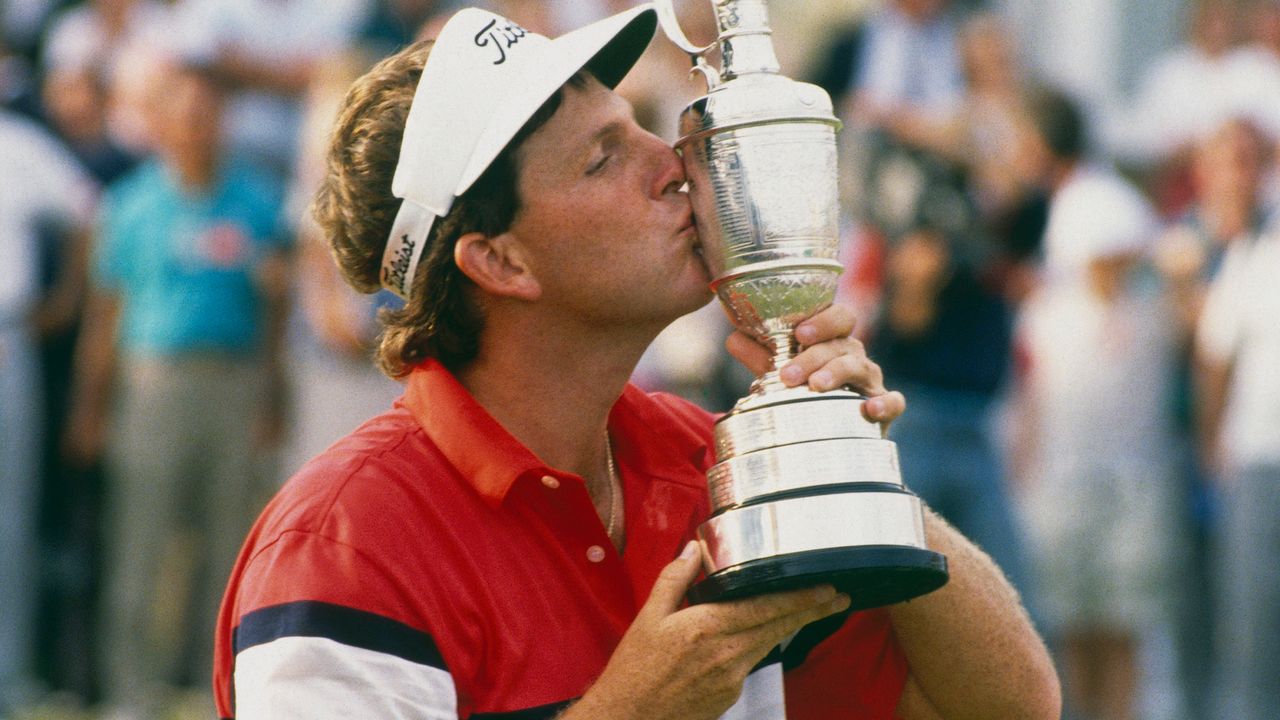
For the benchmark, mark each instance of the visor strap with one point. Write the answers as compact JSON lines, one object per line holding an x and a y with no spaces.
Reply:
{"x":404,"y":249}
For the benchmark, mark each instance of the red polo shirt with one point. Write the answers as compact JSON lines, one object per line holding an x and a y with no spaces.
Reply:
{"x":431,"y":566}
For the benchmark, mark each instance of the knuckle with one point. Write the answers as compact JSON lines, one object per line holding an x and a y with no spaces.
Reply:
{"x":876,"y":374}
{"x":725,"y":655}
{"x":703,"y":628}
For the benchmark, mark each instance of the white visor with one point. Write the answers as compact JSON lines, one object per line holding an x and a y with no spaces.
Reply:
{"x":485,"y":77}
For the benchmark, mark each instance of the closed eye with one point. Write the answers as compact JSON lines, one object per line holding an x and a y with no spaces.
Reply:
{"x":598,"y":165}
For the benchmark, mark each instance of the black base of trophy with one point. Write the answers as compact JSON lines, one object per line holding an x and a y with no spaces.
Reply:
{"x":871,"y":575}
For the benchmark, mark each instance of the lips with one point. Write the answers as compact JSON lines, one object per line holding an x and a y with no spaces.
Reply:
{"x":688,"y":224}
{"x":690,"y":228}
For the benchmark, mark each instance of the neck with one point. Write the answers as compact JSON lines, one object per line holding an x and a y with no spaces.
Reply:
{"x":554,"y":393}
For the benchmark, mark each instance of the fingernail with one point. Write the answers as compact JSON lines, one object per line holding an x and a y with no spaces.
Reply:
{"x":822,"y":379}
{"x":824,"y":594}
{"x":843,"y":602}
{"x":791,"y":374}
{"x":875,"y":407}
{"x":806,"y":334}
{"x":690,"y":549}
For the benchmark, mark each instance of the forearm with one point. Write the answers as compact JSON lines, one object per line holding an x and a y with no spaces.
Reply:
{"x":57,"y":311}
{"x":95,"y":361}
{"x":970,"y":646}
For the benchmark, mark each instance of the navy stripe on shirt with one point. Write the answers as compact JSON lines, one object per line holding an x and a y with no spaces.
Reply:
{"x":349,"y":626}
{"x":809,"y":637}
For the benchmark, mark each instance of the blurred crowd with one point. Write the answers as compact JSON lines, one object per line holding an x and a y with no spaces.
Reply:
{"x":1072,"y":272}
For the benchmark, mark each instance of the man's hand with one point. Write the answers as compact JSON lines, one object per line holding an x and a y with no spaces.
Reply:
{"x":691,"y":663}
{"x":830,"y":357}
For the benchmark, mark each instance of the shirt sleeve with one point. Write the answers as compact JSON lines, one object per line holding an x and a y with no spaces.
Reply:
{"x":320,"y":631}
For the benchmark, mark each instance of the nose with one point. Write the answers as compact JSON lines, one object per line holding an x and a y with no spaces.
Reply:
{"x":668,"y":175}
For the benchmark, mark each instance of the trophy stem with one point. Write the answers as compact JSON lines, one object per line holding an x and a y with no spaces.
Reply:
{"x":783,"y":351}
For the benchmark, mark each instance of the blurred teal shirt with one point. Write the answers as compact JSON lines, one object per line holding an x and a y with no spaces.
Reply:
{"x":184,"y":265}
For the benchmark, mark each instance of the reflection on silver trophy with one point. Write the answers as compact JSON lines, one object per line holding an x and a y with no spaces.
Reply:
{"x":805,"y":490}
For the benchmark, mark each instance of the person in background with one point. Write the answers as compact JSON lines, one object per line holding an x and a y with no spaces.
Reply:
{"x":1096,"y":348}
{"x":178,"y":378}
{"x":1237,"y":351}
{"x":46,"y":199}
{"x":1229,"y":208}
{"x":71,"y":498}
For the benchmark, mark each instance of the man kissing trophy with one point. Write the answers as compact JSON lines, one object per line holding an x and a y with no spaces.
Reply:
{"x":805,"y":489}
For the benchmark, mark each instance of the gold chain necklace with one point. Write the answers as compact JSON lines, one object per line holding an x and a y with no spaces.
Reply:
{"x":613,"y":481}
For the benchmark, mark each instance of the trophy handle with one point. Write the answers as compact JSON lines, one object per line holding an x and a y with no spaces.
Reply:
{"x":671,"y":27}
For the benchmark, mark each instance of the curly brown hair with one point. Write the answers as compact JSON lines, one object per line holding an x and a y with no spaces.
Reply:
{"x":355,"y":209}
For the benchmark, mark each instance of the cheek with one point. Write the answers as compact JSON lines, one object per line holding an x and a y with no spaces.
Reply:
{"x":595,"y":219}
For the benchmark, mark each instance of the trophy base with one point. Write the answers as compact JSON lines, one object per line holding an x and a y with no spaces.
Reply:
{"x":872,"y":575}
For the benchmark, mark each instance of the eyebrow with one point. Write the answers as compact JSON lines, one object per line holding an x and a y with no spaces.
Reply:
{"x":613,"y":127}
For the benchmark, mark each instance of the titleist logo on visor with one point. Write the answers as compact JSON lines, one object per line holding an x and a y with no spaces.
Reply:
{"x":501,"y":37}
{"x":395,"y":272}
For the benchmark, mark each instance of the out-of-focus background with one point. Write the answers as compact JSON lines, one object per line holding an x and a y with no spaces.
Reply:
{"x":1060,"y":233}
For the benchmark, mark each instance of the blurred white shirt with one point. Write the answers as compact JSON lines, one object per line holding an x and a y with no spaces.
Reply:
{"x":1240,"y":324}
{"x":43,"y":183}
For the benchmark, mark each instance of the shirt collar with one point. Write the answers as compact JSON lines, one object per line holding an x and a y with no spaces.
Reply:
{"x":661,"y":437}
{"x":488,"y":456}
{"x":492,"y":459}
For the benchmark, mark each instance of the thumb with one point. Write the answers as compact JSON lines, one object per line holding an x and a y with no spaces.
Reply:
{"x":673,"y":582}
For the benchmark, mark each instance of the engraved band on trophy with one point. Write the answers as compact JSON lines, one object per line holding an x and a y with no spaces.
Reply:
{"x":805,"y":489}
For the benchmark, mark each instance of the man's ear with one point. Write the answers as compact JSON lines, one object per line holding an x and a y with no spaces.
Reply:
{"x":497,"y":265}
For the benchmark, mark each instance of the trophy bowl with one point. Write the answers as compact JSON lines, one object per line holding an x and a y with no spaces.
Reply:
{"x":805,"y":490}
